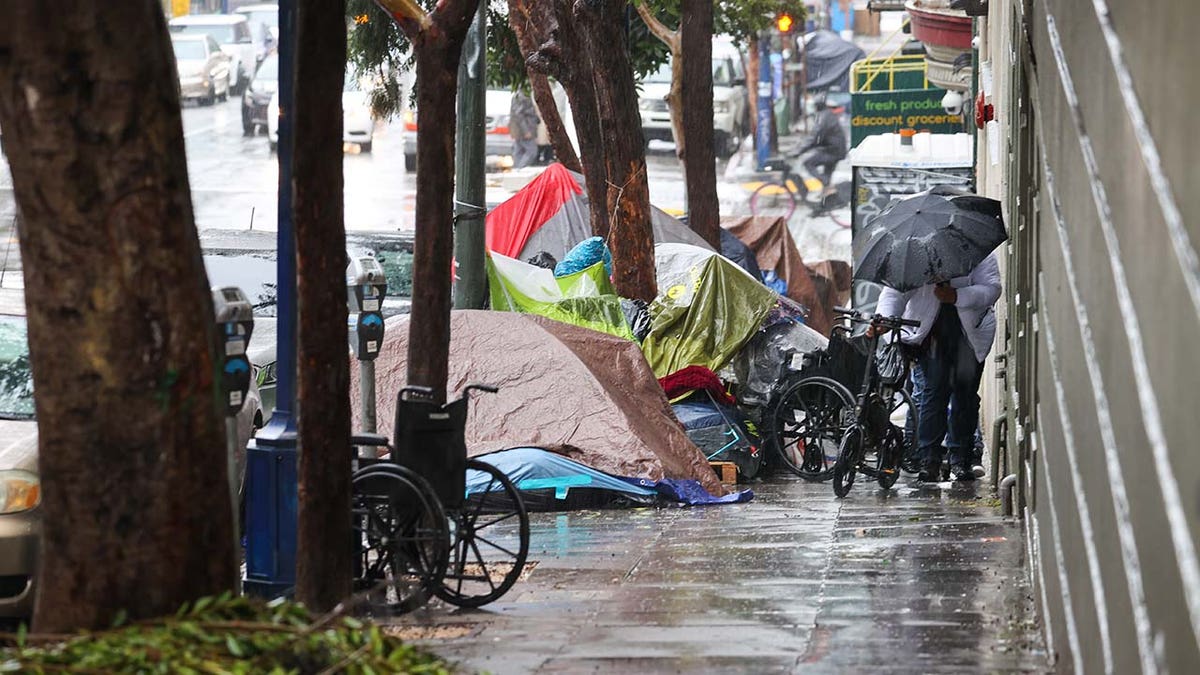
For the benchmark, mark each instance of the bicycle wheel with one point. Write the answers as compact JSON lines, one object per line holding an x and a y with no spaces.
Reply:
{"x":773,"y":199}
{"x":807,"y":425}
{"x":904,"y":410}
{"x":490,"y":541}
{"x":400,"y":536}
{"x":846,"y":466}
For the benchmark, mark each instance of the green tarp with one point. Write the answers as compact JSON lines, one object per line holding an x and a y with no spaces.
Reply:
{"x":585,"y":298}
{"x":703,"y":315}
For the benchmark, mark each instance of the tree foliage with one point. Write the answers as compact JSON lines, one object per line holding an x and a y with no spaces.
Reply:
{"x":739,"y":19}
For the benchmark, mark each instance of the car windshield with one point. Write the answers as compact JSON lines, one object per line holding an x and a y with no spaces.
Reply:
{"x":661,"y":76}
{"x":269,"y":17}
{"x":16,"y":379}
{"x":269,"y":70}
{"x":188,"y":50}
{"x":221,"y":32}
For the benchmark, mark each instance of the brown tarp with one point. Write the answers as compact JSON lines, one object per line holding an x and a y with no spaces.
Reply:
{"x":583,"y":394}
{"x":775,"y":249}
{"x":832,"y":280}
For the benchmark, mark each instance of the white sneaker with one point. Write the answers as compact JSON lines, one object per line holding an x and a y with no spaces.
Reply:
{"x":978,"y":471}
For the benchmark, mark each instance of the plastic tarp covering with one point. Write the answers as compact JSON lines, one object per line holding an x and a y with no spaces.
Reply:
{"x":585,"y":298}
{"x":550,"y":482}
{"x":586,"y":395}
{"x":704,"y":313}
{"x":767,"y":357}
{"x":828,"y":59}
{"x":735,"y":250}
{"x":775,"y":249}
{"x":551,"y":214}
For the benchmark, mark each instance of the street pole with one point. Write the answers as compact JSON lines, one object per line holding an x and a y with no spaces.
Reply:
{"x":470,"y":289}
{"x":271,"y":480}
{"x":766,"y":106}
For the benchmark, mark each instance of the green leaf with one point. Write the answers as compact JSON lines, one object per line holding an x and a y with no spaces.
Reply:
{"x":234,"y":647}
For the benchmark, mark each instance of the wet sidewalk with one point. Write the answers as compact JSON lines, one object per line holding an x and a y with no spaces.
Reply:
{"x":919,"y":579}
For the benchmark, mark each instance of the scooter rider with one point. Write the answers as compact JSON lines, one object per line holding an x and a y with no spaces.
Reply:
{"x":827,"y":143}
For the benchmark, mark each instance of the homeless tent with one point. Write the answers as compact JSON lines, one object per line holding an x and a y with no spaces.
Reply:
{"x":582,"y":394}
{"x":827,"y":58}
{"x":550,"y":215}
{"x":775,"y":249}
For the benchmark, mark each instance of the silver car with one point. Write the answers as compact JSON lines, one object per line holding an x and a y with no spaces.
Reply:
{"x":20,"y":486}
{"x":203,"y":68}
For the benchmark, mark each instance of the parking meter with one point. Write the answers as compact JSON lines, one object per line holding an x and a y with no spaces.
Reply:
{"x":365,"y":287}
{"x":235,"y":323}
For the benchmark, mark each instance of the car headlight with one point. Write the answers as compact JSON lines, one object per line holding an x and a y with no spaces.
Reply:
{"x":720,"y":107}
{"x":19,"y":491}
{"x":646,"y":103}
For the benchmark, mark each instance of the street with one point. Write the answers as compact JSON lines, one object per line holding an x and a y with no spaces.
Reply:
{"x":234,"y":182}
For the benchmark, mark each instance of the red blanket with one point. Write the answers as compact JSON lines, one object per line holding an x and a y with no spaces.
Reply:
{"x":695,"y":378}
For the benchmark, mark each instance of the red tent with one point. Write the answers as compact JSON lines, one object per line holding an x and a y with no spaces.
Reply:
{"x":551,"y":214}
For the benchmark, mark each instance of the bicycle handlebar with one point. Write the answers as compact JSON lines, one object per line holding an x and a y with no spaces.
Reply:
{"x":886,"y":321}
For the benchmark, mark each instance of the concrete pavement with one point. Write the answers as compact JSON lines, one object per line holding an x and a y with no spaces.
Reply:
{"x":917,"y":579}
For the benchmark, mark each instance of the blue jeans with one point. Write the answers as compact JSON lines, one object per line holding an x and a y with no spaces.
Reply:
{"x":946,"y":390}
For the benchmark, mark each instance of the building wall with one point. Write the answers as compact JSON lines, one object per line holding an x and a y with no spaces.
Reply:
{"x":1093,"y":154}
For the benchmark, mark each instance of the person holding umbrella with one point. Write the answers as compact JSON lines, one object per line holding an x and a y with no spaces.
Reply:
{"x":933,"y":253}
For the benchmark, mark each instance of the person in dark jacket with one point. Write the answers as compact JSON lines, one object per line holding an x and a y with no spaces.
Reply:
{"x":827,"y":144}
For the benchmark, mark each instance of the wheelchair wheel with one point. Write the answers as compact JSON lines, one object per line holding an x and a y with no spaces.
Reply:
{"x":846,"y":466}
{"x":807,"y":426}
{"x":400,"y":539}
{"x":489,"y":541}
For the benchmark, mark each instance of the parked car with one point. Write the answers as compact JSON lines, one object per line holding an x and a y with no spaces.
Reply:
{"x":20,"y":485}
{"x":498,"y":142}
{"x":264,"y":26}
{"x":232,"y":33}
{"x":203,"y":68}
{"x":258,"y":95}
{"x":358,"y":122}
{"x":731,"y":104}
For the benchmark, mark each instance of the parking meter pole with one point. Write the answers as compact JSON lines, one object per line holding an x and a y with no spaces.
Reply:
{"x":271,"y":480}
{"x":235,"y":324}
{"x":470,"y":288}
{"x":231,"y":445}
{"x":366,"y":286}
{"x":366,"y":389}
{"x":766,"y":106}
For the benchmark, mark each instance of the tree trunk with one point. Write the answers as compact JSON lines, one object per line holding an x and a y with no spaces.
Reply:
{"x":551,"y":24}
{"x":543,"y":95}
{"x":437,"y":47}
{"x":700,"y":162}
{"x":323,"y":570}
{"x":630,"y":237}
{"x":137,"y":517}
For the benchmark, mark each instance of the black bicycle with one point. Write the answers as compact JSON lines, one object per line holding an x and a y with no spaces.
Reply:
{"x":871,"y":443}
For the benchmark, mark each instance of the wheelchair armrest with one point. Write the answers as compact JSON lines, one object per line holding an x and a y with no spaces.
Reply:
{"x":373,"y":440}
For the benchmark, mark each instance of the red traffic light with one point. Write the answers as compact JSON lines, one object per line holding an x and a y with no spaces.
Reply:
{"x":784,"y":23}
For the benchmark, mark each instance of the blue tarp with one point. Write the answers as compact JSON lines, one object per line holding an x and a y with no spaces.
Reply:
{"x":697,"y":414}
{"x":536,"y":469}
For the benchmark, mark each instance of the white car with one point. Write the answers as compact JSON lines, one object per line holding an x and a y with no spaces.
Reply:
{"x":497,"y":141}
{"x":358,"y":121}
{"x":264,"y":26}
{"x":20,"y":483}
{"x":731,"y":117}
{"x":232,"y":32}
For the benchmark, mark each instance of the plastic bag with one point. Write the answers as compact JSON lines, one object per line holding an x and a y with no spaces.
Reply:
{"x":585,"y":254}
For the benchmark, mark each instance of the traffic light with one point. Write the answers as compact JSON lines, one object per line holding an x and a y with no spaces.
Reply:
{"x":784,"y":23}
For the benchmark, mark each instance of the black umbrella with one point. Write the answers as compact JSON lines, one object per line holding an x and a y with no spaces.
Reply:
{"x":927,"y":238}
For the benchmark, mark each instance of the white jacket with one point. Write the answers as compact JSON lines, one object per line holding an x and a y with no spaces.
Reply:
{"x":977,"y":293}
